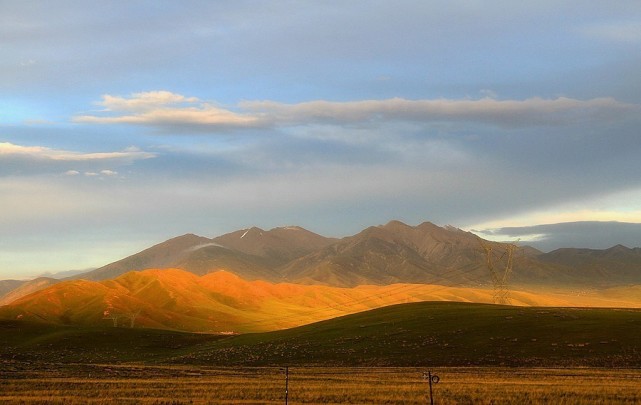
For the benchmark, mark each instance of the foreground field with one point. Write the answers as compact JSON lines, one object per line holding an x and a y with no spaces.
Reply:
{"x":111,"y":384}
{"x":483,"y":354}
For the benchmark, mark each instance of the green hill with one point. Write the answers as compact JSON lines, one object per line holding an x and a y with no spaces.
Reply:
{"x":418,"y":334}
{"x":41,"y":342}
{"x":443,"y":334}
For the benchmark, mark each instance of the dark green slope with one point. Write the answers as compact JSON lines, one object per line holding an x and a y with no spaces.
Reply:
{"x":35,"y":342}
{"x":443,"y":333}
{"x":419,"y":334}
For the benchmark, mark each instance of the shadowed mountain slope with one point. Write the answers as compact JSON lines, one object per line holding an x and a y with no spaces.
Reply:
{"x":596,"y":263}
{"x":397,"y":252}
{"x":251,"y":253}
{"x":427,"y":253}
{"x":278,"y":246}
{"x":158,"y":256}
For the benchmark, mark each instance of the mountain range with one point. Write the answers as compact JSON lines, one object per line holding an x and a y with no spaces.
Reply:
{"x":379,"y":255}
{"x":183,"y":289}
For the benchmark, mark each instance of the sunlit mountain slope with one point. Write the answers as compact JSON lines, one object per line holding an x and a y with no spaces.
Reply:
{"x":223,"y":302}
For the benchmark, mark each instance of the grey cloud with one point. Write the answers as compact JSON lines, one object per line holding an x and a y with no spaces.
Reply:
{"x":76,"y":42}
{"x":585,"y":234}
{"x":508,"y":113}
{"x":159,"y":108}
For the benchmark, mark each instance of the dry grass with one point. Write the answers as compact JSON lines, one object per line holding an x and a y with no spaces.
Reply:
{"x":109,"y":384}
{"x":222,"y":302}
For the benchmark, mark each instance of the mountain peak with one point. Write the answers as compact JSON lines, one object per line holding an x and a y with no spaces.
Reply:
{"x":395,"y":224}
{"x":288,"y":228}
{"x":253,"y":231}
{"x":618,"y":248}
{"x":187,"y":236}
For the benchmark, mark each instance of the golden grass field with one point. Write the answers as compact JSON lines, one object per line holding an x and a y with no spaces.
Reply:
{"x":112,"y":384}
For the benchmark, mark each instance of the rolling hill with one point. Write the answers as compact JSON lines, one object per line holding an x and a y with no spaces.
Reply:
{"x":443,"y":334}
{"x":24,"y":343}
{"x":222,"y":302}
{"x":426,"y":334}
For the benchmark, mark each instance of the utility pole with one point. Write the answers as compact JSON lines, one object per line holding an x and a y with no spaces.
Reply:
{"x":431,"y":379}
{"x":286,"y":370}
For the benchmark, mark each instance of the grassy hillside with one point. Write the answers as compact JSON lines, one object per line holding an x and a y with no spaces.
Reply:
{"x":418,"y":334}
{"x":444,"y":334}
{"x":39,"y":342}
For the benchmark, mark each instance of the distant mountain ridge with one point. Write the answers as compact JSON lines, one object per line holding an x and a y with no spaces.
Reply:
{"x":26,"y":288}
{"x":393,"y":253}
{"x":277,"y":246}
{"x":600,"y":262}
{"x":378,"y":255}
{"x":251,"y":253}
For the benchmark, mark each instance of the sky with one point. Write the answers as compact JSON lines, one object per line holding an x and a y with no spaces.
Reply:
{"x":123,"y":124}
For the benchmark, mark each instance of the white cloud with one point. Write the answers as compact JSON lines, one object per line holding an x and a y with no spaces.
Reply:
{"x":72,"y":172}
{"x":9,"y":149}
{"x":144,"y":101}
{"x":163,"y":108}
{"x":160,"y":108}
{"x":615,"y":206}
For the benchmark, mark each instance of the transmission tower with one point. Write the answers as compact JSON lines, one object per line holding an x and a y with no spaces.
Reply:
{"x":113,"y":317}
{"x":500,"y":277}
{"x":132,"y":317}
